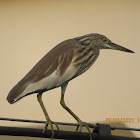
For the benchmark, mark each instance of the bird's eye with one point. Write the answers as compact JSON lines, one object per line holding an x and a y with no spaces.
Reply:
{"x":105,"y":40}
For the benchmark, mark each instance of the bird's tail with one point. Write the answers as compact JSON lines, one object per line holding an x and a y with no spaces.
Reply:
{"x":15,"y":92}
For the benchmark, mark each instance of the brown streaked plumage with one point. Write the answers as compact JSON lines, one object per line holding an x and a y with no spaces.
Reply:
{"x":64,"y":62}
{"x":46,"y":66}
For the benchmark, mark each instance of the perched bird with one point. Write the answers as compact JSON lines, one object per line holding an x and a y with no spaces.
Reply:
{"x":63,"y":63}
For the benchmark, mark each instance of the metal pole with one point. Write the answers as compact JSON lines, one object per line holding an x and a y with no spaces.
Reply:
{"x":32,"y":132}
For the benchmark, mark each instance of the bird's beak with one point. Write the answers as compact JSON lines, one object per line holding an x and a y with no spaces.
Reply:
{"x":118,"y":47}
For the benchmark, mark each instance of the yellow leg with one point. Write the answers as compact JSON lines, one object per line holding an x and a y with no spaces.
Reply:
{"x":81,"y":123}
{"x":48,"y":120}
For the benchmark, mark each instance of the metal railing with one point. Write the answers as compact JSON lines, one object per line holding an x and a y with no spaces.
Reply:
{"x":101,"y":131}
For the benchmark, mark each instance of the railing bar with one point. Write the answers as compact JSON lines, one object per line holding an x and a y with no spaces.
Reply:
{"x":69,"y":124}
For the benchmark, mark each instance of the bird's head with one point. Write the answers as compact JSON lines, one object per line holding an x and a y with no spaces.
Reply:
{"x":101,"y":42}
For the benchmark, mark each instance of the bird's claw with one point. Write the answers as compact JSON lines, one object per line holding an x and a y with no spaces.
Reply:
{"x":92,"y":126}
{"x":50,"y":122}
{"x":81,"y":124}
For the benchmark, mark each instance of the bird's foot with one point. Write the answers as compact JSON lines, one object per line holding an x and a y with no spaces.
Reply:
{"x":50,"y":122}
{"x":93,"y":126}
{"x":81,"y":124}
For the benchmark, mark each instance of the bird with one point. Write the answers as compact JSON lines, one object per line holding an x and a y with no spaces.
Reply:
{"x":66,"y":61}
